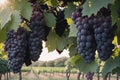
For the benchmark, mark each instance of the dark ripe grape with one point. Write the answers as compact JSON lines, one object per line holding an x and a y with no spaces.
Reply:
{"x":105,"y":12}
{"x":39,"y":31}
{"x":89,"y":76}
{"x":61,"y":23}
{"x":32,"y":1}
{"x":85,"y":40}
{"x":75,"y":16}
{"x":15,"y":46}
{"x":44,"y":6}
{"x":104,"y":36}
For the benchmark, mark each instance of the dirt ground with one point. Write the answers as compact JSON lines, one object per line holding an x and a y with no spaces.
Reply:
{"x":48,"y":76}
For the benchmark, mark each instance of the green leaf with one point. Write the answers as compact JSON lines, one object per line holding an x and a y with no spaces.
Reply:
{"x":24,"y":7}
{"x":5,"y":16}
{"x":55,"y":42}
{"x":116,"y":70}
{"x":118,"y":31}
{"x":2,"y":35}
{"x":114,"y":13}
{"x":50,"y":19}
{"x":82,"y":66}
{"x":110,"y":65}
{"x":26,"y":27}
{"x":93,"y":6}
{"x":73,"y":30}
{"x":72,"y":50}
{"x":54,"y":3}
{"x":68,"y":11}
{"x":15,"y":21}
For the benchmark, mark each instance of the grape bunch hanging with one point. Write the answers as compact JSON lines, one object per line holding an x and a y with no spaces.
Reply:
{"x":16,"y":44}
{"x":94,"y":33}
{"x":61,"y":23}
{"x":25,"y":46}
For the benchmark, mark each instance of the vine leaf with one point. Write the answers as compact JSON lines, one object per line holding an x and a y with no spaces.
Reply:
{"x":93,"y":6}
{"x":72,"y":50}
{"x":110,"y":65}
{"x":50,"y":19}
{"x":118,"y":31}
{"x":3,"y":34}
{"x":68,"y":11}
{"x":114,"y":13}
{"x":54,"y":3}
{"x":55,"y":42}
{"x":24,"y":7}
{"x":82,"y":66}
{"x":73,"y":30}
{"x":5,"y":16}
{"x":116,"y":70}
{"x":26,"y":27}
{"x":15,"y":21}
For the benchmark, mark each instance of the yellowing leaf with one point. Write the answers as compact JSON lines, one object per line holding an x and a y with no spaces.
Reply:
{"x":69,"y":21}
{"x":1,"y":46}
{"x":114,"y":40}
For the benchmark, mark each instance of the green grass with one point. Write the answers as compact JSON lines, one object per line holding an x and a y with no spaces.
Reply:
{"x":47,"y":69}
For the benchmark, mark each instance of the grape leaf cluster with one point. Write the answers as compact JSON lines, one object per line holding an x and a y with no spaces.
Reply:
{"x":94,"y":33}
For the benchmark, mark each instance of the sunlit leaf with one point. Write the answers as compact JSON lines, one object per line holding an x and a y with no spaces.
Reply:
{"x":5,"y":16}
{"x":24,"y":7}
{"x":15,"y":21}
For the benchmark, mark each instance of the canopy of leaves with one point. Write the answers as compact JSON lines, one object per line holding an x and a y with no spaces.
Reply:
{"x":93,"y":6}
{"x":5,"y":16}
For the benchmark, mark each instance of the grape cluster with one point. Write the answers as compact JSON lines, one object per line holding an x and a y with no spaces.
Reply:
{"x":37,"y":33}
{"x":89,"y":76}
{"x":61,"y":23}
{"x":16,"y":47}
{"x":104,"y":34}
{"x":94,"y":33}
{"x":85,"y":37}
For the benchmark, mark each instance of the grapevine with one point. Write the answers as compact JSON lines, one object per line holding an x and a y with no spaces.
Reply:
{"x":16,"y":45}
{"x":87,"y":34}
